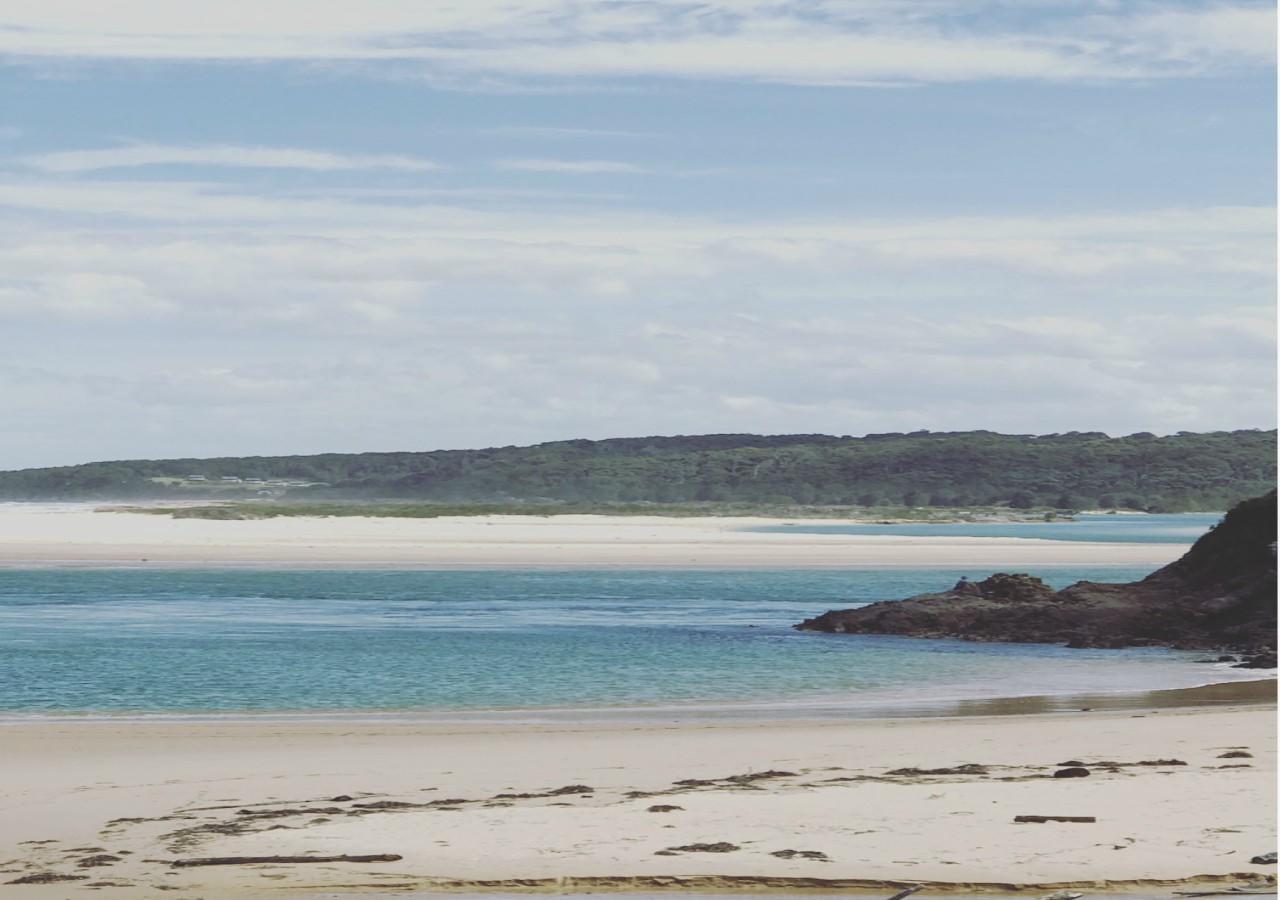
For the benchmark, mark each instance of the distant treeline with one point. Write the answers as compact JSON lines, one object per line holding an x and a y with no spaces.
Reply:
{"x":1076,"y":470}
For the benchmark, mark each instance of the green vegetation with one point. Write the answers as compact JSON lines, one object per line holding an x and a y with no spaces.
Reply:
{"x":741,"y":473}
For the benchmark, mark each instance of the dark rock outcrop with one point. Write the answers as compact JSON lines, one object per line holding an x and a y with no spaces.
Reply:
{"x":1220,"y":594}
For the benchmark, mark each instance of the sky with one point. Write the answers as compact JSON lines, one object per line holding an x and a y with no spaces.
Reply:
{"x":302,"y":226}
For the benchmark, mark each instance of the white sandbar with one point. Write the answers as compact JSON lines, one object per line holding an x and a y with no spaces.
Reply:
{"x":56,"y":535}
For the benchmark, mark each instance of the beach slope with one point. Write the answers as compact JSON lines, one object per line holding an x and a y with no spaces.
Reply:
{"x":1170,"y":795}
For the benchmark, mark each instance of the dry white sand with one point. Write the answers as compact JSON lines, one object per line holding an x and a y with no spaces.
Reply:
{"x":165,"y":791}
{"x":76,"y":535}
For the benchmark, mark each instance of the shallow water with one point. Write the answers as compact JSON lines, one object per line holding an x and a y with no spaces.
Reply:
{"x":1180,"y":528}
{"x":327,"y":642}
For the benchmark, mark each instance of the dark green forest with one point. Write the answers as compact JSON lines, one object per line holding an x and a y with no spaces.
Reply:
{"x":1180,"y":472}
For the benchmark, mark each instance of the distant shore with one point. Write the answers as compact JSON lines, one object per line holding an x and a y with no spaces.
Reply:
{"x":39,"y":535}
{"x":409,"y":509}
{"x":1179,"y":795}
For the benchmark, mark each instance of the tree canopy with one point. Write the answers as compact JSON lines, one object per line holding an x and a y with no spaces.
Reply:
{"x":1185,"y":471}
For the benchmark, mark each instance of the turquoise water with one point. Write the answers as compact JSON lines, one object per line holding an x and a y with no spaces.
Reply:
{"x":1180,"y":528}
{"x":178,"y":642}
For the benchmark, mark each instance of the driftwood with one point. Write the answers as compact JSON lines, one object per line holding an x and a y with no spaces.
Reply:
{"x":907,"y":893}
{"x":258,"y":860}
{"x":1039,"y":819}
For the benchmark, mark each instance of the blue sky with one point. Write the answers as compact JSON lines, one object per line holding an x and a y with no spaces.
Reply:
{"x":305,"y":227}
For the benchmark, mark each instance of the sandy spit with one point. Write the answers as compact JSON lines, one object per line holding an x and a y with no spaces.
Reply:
{"x":594,"y":807}
{"x":53,"y":535}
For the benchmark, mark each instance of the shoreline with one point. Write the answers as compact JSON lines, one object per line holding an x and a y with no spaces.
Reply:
{"x":996,"y":560}
{"x":1244,"y":691}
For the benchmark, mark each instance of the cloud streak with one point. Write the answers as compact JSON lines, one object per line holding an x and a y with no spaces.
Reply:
{"x":822,"y":42}
{"x":140,"y":155}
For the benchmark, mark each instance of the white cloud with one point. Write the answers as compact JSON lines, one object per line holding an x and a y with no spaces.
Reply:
{"x":200,"y":313}
{"x":544,"y":377}
{"x":802,"y":54}
{"x":1222,"y":238}
{"x":136,"y":155}
{"x":1203,"y":37}
{"x":83,"y":295}
{"x":811,"y":42}
{"x":388,"y":257}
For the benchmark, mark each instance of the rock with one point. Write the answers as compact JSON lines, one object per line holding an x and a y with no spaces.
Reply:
{"x":1236,"y":754}
{"x":1072,"y":772}
{"x":1265,"y":660}
{"x":571,"y":789}
{"x":341,"y":798}
{"x":664,"y":808}
{"x":1063,"y":895}
{"x":1266,"y":859}
{"x":1220,"y":594}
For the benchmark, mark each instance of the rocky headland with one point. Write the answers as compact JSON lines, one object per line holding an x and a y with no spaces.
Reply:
{"x":1220,"y":595}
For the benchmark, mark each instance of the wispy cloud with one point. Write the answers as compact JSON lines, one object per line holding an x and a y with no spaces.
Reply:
{"x":139,"y":155}
{"x":159,"y":233}
{"x":812,"y":42}
{"x":571,"y":166}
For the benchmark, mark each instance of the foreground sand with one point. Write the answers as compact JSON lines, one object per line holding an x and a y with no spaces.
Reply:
{"x":76,"y":535}
{"x":140,"y":795}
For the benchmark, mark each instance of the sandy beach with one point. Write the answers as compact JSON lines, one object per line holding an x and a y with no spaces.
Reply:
{"x":1177,"y":794}
{"x":42,"y":535}
{"x":1180,"y":785}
